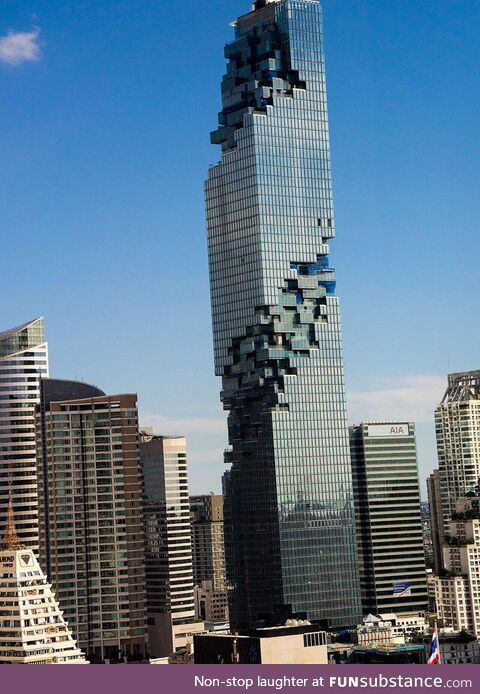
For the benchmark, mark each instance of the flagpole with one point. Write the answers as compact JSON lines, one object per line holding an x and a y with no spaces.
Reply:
{"x":438,"y":641}
{"x":434,"y":657}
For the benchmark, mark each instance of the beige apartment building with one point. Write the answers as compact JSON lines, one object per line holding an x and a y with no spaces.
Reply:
{"x":91,"y":524}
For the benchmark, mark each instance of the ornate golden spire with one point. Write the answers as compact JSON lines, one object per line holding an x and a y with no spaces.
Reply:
{"x":10,"y":538}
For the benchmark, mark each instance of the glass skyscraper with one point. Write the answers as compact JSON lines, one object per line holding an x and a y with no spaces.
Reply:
{"x":23,"y":362}
{"x":289,"y":519}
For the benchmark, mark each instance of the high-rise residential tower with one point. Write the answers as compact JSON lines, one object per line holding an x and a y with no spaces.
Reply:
{"x":23,"y":361}
{"x":289,"y":520}
{"x":168,"y":542}
{"x":457,"y":588}
{"x":208,"y":543}
{"x":208,"y":548}
{"x":436,"y":518}
{"x":389,"y":522}
{"x":91,"y":520}
{"x":457,"y":423}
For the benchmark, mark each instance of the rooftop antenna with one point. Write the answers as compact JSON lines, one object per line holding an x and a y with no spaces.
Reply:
{"x":10,"y":538}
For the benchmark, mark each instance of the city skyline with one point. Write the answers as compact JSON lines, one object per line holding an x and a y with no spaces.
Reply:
{"x":390,"y":376}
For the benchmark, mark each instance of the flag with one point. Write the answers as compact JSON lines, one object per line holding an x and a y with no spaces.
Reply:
{"x":434,"y":658}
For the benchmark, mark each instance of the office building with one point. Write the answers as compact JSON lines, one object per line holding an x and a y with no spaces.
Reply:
{"x":168,"y":549}
{"x":436,"y":519}
{"x":289,"y":519}
{"x":208,"y":542}
{"x":32,"y":628}
{"x":296,"y":644}
{"x":23,"y":361}
{"x":389,"y":524}
{"x":457,"y":424}
{"x":91,"y":523}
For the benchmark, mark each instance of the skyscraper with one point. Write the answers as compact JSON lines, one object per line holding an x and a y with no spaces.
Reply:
{"x":457,"y":423}
{"x":457,"y":588}
{"x":91,"y":521}
{"x":208,"y":549}
{"x":436,"y":518}
{"x":23,"y":361}
{"x":389,"y":523}
{"x":208,"y":543}
{"x":168,"y":548}
{"x":289,"y":520}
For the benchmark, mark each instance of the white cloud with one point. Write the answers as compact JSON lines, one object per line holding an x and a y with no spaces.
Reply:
{"x":18,"y":47}
{"x":411,"y":398}
{"x":189,"y":425}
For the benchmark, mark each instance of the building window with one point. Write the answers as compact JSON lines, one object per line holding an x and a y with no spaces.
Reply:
{"x":315,"y":639}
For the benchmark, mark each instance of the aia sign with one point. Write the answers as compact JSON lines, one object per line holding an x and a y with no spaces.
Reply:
{"x":398,"y":431}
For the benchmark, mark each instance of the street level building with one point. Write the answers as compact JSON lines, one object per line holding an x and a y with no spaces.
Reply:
{"x":289,"y":518}
{"x":391,"y":654}
{"x":23,"y":362}
{"x":32,"y":628}
{"x":389,"y":524}
{"x":374,"y":631}
{"x":458,"y":648}
{"x":299,"y":644}
{"x":91,"y":524}
{"x":391,"y":628}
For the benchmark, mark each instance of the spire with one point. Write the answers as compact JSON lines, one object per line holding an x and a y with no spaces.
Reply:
{"x":10,"y":538}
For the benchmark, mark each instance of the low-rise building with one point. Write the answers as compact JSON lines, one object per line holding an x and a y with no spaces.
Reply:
{"x":458,"y":648}
{"x":408,"y":626}
{"x":389,"y":655}
{"x":300,"y":644}
{"x":374,"y":631}
{"x":211,"y":605}
{"x":390,"y":628}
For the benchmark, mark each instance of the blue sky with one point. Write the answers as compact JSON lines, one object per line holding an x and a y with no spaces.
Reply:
{"x":106,"y":109}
